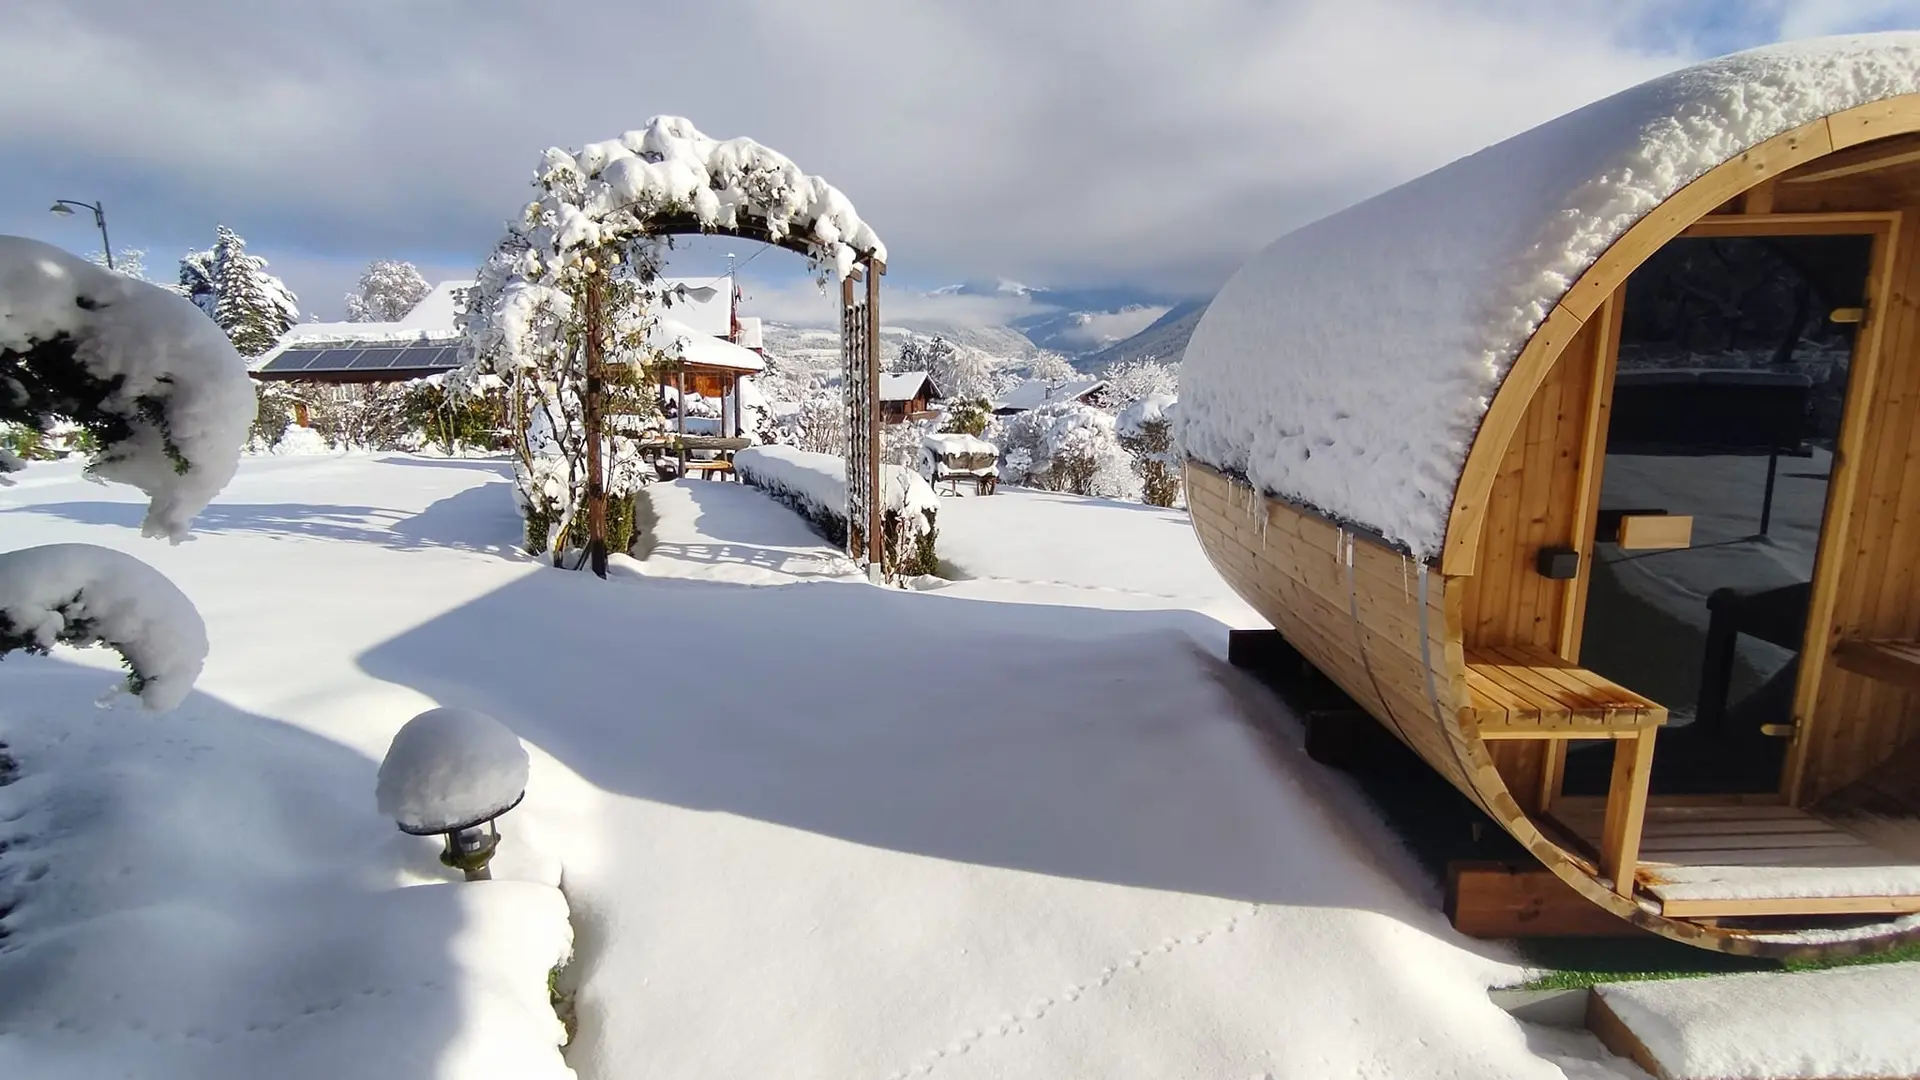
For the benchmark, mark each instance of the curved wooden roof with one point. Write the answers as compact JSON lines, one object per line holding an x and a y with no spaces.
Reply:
{"x":1364,"y":364}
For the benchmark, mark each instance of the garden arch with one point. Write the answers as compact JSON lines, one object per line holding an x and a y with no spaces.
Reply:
{"x":597,"y":227}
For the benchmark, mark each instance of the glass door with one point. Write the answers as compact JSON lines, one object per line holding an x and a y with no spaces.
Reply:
{"x":1733,"y":365}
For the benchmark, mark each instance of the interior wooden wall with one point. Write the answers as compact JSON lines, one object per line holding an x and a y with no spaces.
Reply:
{"x":1544,"y":495}
{"x":1857,"y":722}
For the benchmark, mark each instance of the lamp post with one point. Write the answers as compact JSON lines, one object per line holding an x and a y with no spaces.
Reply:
{"x":64,"y":208}
{"x":450,"y":773}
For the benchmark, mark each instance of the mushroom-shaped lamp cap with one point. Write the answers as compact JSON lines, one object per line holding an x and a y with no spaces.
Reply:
{"x":451,"y":769}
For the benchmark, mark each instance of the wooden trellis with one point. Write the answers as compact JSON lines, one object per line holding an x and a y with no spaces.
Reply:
{"x":860,"y":393}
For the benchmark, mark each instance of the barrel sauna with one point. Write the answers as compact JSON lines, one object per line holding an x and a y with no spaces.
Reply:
{"x":1583,"y":464}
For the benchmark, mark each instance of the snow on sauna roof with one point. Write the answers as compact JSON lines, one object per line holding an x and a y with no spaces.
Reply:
{"x":1348,"y":366}
{"x":705,"y":350}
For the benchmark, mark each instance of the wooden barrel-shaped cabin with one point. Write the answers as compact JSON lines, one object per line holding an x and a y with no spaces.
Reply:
{"x":1589,"y":465}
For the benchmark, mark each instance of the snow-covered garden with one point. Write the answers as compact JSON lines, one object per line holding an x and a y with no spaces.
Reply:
{"x":318,"y":759}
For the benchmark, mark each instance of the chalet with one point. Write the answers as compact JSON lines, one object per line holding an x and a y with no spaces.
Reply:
{"x":907,"y":395}
{"x":1034,"y":393}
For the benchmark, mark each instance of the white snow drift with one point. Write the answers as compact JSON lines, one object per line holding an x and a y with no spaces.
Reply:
{"x":1348,"y":365}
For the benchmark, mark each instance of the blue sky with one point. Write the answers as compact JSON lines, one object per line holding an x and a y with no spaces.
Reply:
{"x":1075,"y":142}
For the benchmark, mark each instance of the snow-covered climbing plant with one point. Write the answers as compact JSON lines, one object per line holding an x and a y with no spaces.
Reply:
{"x":597,"y":235}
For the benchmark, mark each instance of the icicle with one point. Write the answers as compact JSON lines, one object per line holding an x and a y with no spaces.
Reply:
{"x":1406,"y":587}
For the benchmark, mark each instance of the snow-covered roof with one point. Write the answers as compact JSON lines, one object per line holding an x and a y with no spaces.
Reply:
{"x":432,"y":320}
{"x":751,"y":334}
{"x":1348,"y":366}
{"x":906,"y":385}
{"x":711,"y":314}
{"x":1037,"y":392}
{"x":435,"y":311}
{"x":694,"y":347}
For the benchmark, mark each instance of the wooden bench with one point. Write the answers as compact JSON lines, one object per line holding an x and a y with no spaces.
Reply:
{"x":1521,"y":692}
{"x":1890,"y":661}
{"x":710,"y":467}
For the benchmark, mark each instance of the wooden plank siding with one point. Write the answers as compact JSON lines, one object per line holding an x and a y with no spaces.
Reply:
{"x":1292,"y":568}
{"x":1542,"y":496}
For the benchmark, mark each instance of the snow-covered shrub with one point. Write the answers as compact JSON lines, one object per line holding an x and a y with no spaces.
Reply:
{"x":79,"y":594}
{"x":1067,"y":446}
{"x":166,"y":401}
{"x":274,"y":410}
{"x":1131,"y":381}
{"x":815,"y":487}
{"x":900,"y":443}
{"x":1146,"y":431}
{"x":967,"y":417}
{"x":1051,"y":367}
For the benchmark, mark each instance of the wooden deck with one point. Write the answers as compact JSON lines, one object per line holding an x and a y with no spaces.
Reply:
{"x":1712,"y":860}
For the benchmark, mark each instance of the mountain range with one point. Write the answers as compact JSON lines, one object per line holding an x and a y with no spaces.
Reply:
{"x":1092,"y":327}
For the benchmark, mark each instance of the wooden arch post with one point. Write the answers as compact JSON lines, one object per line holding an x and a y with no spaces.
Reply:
{"x":860,"y":381}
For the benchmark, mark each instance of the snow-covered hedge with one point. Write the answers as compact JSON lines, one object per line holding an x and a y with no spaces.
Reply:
{"x":1145,"y":429}
{"x":79,"y":594}
{"x":815,"y":486}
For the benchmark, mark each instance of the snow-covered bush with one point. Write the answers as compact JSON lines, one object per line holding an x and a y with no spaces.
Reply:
{"x":275,"y":409}
{"x":815,"y":487}
{"x":166,"y":400}
{"x":1145,"y":429}
{"x":1066,"y":446}
{"x":388,"y":290}
{"x":900,"y":443}
{"x":967,"y":417}
{"x":1131,"y":381}
{"x":79,"y":594}
{"x":1051,"y":367}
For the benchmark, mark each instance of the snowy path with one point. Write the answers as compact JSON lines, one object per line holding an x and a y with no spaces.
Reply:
{"x":1031,"y":840}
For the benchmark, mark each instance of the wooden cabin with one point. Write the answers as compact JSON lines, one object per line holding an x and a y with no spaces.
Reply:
{"x":907,"y":395}
{"x":1586,"y":466}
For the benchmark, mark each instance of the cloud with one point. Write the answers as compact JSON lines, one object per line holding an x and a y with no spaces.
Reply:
{"x":1075,"y":141}
{"x":1098,"y":328}
{"x":800,"y":302}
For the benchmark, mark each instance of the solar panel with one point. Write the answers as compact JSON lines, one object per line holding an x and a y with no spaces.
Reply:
{"x":336,"y":359}
{"x":292,"y":360}
{"x":425,"y":356}
{"x":378,"y":358}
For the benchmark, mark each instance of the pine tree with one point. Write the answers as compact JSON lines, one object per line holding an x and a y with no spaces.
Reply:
{"x":388,"y":290}
{"x":251,"y":305}
{"x":196,"y":279}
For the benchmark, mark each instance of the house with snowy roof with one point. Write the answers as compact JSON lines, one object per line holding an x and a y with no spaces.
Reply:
{"x":1034,"y":393}
{"x":423,"y":342}
{"x":907,"y":395}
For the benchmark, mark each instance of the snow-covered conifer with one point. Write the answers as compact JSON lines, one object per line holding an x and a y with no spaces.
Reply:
{"x":251,"y":305}
{"x":388,"y":290}
{"x":196,"y":280}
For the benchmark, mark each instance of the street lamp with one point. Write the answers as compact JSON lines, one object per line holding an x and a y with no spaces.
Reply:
{"x":450,"y":773}
{"x":64,"y":208}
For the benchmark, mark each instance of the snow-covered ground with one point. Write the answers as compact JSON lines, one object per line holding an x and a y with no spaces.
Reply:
{"x":804,"y":827}
{"x":1022,"y":543}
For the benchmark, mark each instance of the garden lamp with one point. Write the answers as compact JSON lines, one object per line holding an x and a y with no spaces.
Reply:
{"x":451,"y":773}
